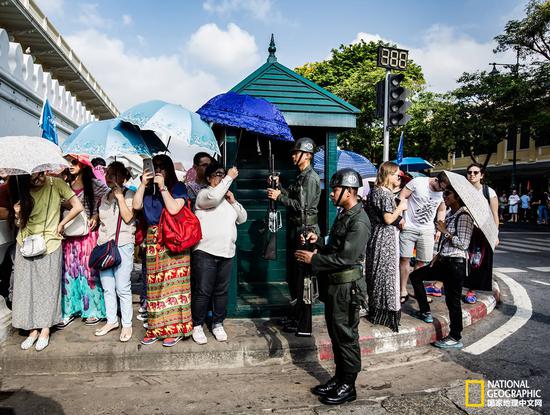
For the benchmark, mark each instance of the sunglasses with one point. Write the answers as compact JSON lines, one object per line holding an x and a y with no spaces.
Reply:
{"x":473,"y":172}
{"x":74,"y":162}
{"x":219,"y":174}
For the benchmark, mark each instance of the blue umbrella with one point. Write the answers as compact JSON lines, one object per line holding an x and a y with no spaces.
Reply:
{"x":173,"y":123}
{"x":244,"y":111}
{"x":345,"y":159}
{"x":111,"y":138}
{"x":414,"y":164}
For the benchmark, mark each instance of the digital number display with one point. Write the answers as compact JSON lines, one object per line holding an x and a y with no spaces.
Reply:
{"x":392,"y":58}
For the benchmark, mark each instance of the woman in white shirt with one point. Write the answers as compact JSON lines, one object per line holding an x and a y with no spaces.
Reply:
{"x":212,"y":258}
{"x":116,"y":206}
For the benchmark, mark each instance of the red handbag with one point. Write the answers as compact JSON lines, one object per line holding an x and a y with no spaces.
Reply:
{"x":180,"y":231}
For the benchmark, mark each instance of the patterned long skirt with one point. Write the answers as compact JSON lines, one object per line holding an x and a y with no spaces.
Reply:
{"x":82,"y":293}
{"x":383,"y":277}
{"x":168,"y":290}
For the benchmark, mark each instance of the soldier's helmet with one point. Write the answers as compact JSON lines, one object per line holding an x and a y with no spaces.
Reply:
{"x":346,"y":178}
{"x":305,"y":144}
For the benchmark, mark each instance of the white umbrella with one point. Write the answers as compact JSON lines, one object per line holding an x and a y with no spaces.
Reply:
{"x":27,"y":155}
{"x":476,"y":204}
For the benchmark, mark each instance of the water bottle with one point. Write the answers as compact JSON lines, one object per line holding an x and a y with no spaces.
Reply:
{"x":476,"y":257}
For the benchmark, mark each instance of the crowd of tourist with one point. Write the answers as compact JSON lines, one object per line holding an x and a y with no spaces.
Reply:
{"x":420,"y":225}
{"x":71,"y":225}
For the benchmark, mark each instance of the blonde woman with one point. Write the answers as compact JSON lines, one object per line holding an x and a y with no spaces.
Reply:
{"x":383,"y":248}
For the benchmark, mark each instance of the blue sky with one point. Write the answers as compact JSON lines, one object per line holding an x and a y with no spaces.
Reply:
{"x":189,"y":50}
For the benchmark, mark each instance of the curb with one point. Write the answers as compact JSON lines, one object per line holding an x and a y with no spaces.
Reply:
{"x":251,"y":343}
{"x":412,"y":332}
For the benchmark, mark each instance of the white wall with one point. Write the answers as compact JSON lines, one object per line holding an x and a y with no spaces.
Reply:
{"x":23,"y":85}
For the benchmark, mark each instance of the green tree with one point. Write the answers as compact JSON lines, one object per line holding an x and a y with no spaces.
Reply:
{"x":531,"y":35}
{"x":351,"y":73}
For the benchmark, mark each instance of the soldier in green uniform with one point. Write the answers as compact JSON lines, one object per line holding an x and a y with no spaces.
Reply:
{"x":301,"y":199}
{"x":339,"y":264}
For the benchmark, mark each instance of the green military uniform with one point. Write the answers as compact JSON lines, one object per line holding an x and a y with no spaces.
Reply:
{"x":302,"y":200}
{"x":339,"y":265}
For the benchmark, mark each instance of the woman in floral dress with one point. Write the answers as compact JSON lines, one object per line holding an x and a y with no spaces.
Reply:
{"x":383,"y":248}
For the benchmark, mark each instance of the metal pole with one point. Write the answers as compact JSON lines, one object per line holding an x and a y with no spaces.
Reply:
{"x":386,"y":140}
{"x":517,"y":126}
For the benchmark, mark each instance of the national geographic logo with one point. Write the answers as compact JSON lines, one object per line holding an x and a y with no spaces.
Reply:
{"x":477,"y":385}
{"x":501,"y":393}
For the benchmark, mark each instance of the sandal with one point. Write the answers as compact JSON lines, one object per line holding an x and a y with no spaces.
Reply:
{"x":106,"y":329}
{"x":125,"y":334}
{"x":404,"y":298}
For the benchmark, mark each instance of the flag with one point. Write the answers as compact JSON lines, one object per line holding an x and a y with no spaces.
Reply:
{"x":399,"y":155}
{"x":47,"y":122}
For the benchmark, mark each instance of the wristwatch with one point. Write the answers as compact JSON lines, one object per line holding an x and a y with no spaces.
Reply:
{"x":447,"y":235}
{"x":163,"y":188}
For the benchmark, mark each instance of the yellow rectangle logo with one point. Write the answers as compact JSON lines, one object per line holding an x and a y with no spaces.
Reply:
{"x":481,"y":384}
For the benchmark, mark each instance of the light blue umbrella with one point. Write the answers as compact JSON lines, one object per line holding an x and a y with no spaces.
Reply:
{"x":173,"y":124}
{"x":414,"y":164}
{"x":346,"y":159}
{"x":111,"y":138}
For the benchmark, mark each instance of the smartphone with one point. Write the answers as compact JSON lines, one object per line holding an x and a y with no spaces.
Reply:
{"x":148,"y":165}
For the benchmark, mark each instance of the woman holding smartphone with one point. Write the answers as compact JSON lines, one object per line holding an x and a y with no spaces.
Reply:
{"x":168,"y":273}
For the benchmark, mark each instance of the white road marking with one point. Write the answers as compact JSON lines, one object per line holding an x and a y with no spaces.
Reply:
{"x":506,"y":270}
{"x":522,"y":315}
{"x":516,"y":249}
{"x":538,"y":240}
{"x":541,"y":282}
{"x":529,"y":244}
{"x":540,"y":269}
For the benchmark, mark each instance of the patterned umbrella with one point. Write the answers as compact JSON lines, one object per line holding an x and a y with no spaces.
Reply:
{"x":112,"y":138}
{"x":173,"y":124}
{"x":27,"y":155}
{"x":249,"y":113}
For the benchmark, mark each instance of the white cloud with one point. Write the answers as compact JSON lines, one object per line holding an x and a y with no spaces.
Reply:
{"x":232,"y":50}
{"x":259,"y":9}
{"x":90,"y":17}
{"x":446,"y":54}
{"x":51,"y":7}
{"x":368,"y":37}
{"x":129,"y":79}
{"x":127,"y":19}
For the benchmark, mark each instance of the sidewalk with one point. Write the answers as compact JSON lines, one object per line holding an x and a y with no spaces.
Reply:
{"x":251,"y":343}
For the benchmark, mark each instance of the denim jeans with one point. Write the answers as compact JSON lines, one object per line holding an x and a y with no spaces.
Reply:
{"x":116,"y":282}
{"x":210,"y":277}
{"x":452,"y":274}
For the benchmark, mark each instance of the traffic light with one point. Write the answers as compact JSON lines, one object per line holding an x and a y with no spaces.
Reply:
{"x":397,"y":101}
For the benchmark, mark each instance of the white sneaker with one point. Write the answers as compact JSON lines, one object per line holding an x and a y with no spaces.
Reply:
{"x":29,"y":341}
{"x":199,"y":336}
{"x":219,"y":332}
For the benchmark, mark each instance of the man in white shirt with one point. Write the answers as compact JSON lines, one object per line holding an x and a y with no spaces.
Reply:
{"x":425,"y":200}
{"x":513,"y":202}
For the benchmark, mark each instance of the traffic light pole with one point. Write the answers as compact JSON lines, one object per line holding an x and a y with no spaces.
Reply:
{"x":386,"y":141}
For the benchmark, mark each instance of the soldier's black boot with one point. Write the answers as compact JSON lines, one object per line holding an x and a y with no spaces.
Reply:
{"x":342,"y":393}
{"x":325,"y":388}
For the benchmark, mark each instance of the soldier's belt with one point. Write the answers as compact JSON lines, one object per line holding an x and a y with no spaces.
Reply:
{"x":343,"y":277}
{"x":310,"y":220}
